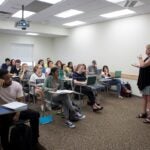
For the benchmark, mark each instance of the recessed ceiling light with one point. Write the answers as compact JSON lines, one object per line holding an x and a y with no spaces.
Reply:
{"x":69,"y":13}
{"x":74,"y":23}
{"x":18,"y":14}
{"x":1,"y":1}
{"x":34,"y":34}
{"x":50,"y":1}
{"x":118,"y":13}
{"x":115,"y":1}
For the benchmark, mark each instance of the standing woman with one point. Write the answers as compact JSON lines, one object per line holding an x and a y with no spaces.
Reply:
{"x":144,"y":82}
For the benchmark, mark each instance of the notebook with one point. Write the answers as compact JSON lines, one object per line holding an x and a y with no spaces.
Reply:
{"x":16,"y":106}
{"x":46,"y":119}
{"x":91,"y":80}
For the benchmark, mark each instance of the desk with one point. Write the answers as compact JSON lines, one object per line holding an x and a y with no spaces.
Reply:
{"x":5,"y":111}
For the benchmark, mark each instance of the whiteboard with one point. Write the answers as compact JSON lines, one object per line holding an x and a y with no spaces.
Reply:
{"x":24,"y":52}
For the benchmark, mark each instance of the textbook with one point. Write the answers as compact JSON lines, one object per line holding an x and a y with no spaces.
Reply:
{"x":17,"y":106}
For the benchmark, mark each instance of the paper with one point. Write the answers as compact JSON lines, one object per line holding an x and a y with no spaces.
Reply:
{"x":16,"y":106}
{"x":62,"y":91}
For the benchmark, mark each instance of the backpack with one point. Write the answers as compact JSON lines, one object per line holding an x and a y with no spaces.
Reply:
{"x":72,"y":115}
{"x":21,"y":137}
{"x":123,"y":90}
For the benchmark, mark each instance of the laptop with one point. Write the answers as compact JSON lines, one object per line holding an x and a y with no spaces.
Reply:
{"x":91,"y":80}
{"x":117,"y":74}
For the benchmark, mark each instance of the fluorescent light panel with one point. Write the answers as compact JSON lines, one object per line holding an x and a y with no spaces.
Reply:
{"x":118,"y":13}
{"x":74,"y":23}
{"x":18,"y":14}
{"x":69,"y":13}
{"x":34,"y":34}
{"x":50,"y":1}
{"x":1,"y":1}
{"x":115,"y":1}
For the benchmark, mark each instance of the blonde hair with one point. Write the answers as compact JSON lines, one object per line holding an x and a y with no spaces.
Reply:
{"x":78,"y":66}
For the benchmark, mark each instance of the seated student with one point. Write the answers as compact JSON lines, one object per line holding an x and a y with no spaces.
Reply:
{"x":105,"y":73}
{"x":6,"y":64}
{"x":53,"y":83}
{"x":60,"y":65}
{"x":69,"y":69}
{"x":37,"y":78}
{"x":12,"y":91}
{"x":93,"y":68}
{"x":49,"y":67}
{"x":16,"y":69}
{"x":79,"y":79}
{"x":25,"y":74}
{"x":41,"y":62}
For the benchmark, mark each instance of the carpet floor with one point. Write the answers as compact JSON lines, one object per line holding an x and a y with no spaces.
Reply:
{"x":115,"y":128}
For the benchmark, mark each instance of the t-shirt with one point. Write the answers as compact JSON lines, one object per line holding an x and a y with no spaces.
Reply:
{"x":48,"y":71}
{"x":92,"y":69}
{"x":36,"y":79}
{"x":12,"y":92}
{"x":79,"y":77}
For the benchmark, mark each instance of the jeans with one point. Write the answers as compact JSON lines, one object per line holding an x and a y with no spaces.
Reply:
{"x":66,"y":102}
{"x":116,"y":82}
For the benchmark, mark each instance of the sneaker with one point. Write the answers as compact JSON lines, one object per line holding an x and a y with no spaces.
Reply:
{"x":80,"y":116}
{"x":70,"y":124}
{"x":120,"y":97}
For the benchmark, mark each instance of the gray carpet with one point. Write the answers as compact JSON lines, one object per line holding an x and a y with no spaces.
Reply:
{"x":115,"y":128}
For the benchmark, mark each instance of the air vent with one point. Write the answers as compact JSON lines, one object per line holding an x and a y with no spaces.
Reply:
{"x":130,"y":3}
{"x":37,"y":6}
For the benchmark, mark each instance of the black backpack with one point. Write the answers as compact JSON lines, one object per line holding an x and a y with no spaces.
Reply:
{"x":123,"y":90}
{"x":21,"y":137}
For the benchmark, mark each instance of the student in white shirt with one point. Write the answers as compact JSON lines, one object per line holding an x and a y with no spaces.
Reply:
{"x":12,"y":91}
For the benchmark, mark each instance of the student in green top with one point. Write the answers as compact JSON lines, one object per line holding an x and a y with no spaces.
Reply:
{"x":53,"y":83}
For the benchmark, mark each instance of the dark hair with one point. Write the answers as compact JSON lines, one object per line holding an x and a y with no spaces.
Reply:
{"x":2,"y":73}
{"x":69,"y":63}
{"x":94,"y":62}
{"x":105,"y":67}
{"x":7,"y":59}
{"x":40,"y":62}
{"x":49,"y":62}
{"x":12,"y":61}
{"x":18,"y":61}
{"x":58,"y":61}
{"x":53,"y":70}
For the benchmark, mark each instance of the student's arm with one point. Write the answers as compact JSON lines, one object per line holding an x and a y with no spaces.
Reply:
{"x":80,"y":82}
{"x":20,"y":98}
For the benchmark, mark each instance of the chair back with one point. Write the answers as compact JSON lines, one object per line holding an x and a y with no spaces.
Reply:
{"x":117,"y":74}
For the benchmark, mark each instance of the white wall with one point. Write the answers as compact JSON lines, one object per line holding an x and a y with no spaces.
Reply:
{"x":42,"y":47}
{"x":115,"y":43}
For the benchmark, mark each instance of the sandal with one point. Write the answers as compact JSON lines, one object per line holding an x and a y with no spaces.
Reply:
{"x":147,"y":120}
{"x":142,"y":115}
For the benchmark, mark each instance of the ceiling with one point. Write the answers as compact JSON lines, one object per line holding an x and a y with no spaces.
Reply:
{"x":92,"y":9}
